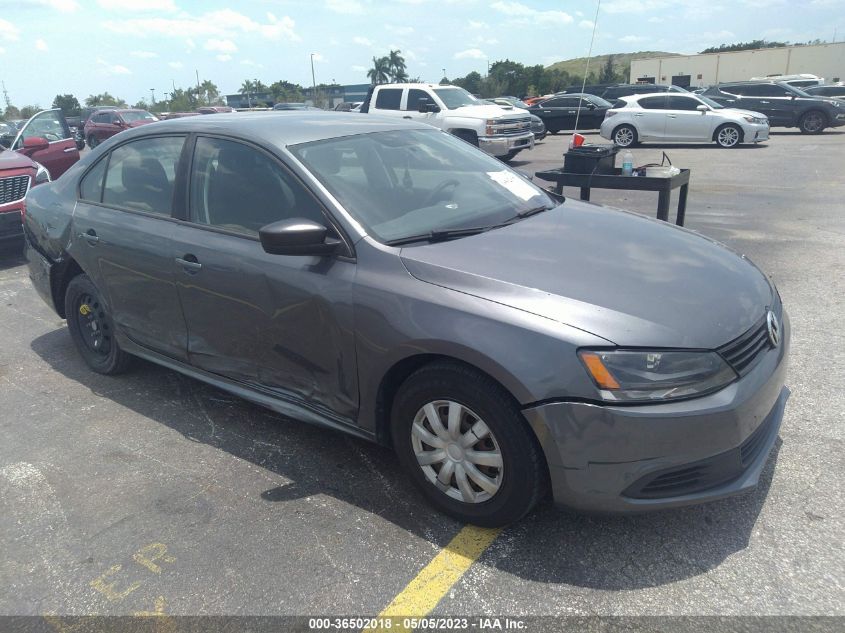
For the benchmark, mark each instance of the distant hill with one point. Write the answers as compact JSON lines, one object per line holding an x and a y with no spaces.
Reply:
{"x":621,"y":61}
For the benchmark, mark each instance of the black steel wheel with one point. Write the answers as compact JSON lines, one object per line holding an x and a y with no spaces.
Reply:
{"x":91,"y":328}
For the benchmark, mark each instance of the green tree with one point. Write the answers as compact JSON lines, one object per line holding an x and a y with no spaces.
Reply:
{"x":104,"y":99}
{"x":209,"y":93}
{"x":380,"y":72}
{"x":68,"y":104}
{"x":11,"y":112}
{"x":608,"y":72}
{"x":744,"y":46}
{"x":397,"y":69}
{"x":284,"y":90}
{"x":141,"y":105}
{"x":28,"y":111}
{"x":470,"y":83}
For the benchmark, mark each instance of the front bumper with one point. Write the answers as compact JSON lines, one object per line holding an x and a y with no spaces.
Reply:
{"x":504,"y":145}
{"x":601,"y":458}
{"x":755,"y":132}
{"x":11,"y":228}
{"x":838,"y":119}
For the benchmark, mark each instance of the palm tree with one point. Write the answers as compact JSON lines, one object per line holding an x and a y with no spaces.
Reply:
{"x":380,"y":72}
{"x":396,"y":64}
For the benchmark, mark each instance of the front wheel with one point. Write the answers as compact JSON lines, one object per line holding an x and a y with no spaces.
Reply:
{"x":465,"y":444}
{"x":624,"y":136}
{"x":728,"y":136}
{"x":812,"y":122}
{"x":93,"y":142}
{"x":91,"y":328}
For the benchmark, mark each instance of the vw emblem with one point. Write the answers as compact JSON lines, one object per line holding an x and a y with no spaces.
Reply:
{"x":773,"y":328}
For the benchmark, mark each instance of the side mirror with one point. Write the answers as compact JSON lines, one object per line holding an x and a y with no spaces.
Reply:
{"x":592,"y":106}
{"x":297,"y":236}
{"x":32,"y":144}
{"x":702,"y":108}
{"x":424,"y":105}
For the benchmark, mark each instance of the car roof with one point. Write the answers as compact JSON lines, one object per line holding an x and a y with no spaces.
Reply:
{"x":280,"y":127}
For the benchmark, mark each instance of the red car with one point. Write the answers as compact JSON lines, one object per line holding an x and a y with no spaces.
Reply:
{"x":42,"y":150}
{"x":104,"y":124}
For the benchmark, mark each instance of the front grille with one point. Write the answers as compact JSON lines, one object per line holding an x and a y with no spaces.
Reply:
{"x":743,"y":352}
{"x":13,"y":188}
{"x":707,"y":473}
{"x":512,"y":127}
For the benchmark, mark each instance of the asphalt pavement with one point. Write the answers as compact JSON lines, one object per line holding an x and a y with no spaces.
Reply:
{"x":152,"y":492}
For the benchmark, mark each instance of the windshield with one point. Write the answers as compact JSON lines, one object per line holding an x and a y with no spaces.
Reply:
{"x":797,"y":91}
{"x":456,"y":97}
{"x":132,"y":116}
{"x":711,"y":103}
{"x":517,"y":103}
{"x":399,"y":184}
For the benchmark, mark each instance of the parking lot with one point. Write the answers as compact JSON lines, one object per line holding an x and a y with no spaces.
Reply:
{"x":151,"y":492}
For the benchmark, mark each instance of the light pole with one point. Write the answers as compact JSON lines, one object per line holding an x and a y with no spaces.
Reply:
{"x":313,"y":81}
{"x":153,"y":95}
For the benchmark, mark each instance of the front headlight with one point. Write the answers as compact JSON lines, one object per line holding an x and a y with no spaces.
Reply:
{"x":654,"y":375}
{"x":42,"y":175}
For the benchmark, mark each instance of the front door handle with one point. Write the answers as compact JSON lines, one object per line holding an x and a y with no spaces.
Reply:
{"x":90,"y":236}
{"x":672,"y":116}
{"x":189,"y":264}
{"x":406,"y":117}
{"x":764,"y":102}
{"x":68,"y":150}
{"x":638,"y":114}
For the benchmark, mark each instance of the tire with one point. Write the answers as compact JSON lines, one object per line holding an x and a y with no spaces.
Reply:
{"x":467,"y":135}
{"x":509,"y":156}
{"x":91,"y":328}
{"x":93,"y":142}
{"x":728,"y":135}
{"x":624,"y":136}
{"x":510,"y":489}
{"x":812,"y":122}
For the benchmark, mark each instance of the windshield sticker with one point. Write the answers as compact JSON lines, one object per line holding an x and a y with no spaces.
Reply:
{"x":513,"y":183}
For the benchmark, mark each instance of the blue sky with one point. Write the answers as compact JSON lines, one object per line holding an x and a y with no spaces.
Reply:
{"x":126,"y":47}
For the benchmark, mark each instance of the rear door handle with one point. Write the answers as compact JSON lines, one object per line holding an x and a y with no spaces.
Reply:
{"x":90,"y":236}
{"x":68,"y":150}
{"x":406,"y":117}
{"x":672,"y":116}
{"x":764,"y":102}
{"x":189,"y":264}
{"x":639,"y":114}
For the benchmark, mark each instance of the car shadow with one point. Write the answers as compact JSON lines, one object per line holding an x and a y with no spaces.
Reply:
{"x":702,"y":145}
{"x":11,"y":254}
{"x":550,"y":545}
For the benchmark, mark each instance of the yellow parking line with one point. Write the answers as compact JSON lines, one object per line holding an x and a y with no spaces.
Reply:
{"x":423,"y":593}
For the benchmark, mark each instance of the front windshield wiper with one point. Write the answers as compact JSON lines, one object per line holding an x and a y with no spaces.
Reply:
{"x":533,"y":211}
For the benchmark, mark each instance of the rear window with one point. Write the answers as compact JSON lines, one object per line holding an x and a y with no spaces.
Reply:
{"x":389,"y":99}
{"x":653,"y":103}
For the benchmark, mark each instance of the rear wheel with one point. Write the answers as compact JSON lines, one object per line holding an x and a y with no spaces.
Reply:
{"x":625,"y":136}
{"x":464,"y":443}
{"x":812,"y":122}
{"x":92,"y":141}
{"x":91,"y":328}
{"x":728,"y":136}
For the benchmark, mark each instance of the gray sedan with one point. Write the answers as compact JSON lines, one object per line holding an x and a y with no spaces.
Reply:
{"x":385,"y":279}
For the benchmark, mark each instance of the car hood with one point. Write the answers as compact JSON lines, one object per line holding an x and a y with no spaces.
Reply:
{"x":489,"y":112}
{"x":139,"y":123}
{"x":13,"y":160}
{"x":624,"y":277}
{"x":739,"y":112}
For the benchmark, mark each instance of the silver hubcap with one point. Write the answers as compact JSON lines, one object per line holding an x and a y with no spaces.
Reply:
{"x":456,"y":451}
{"x":812,"y":122}
{"x":624,"y":137}
{"x":728,"y":137}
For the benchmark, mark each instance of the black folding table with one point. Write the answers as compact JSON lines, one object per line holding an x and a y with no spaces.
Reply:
{"x":663,"y":187}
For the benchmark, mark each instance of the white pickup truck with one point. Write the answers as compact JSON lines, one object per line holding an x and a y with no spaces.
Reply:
{"x":495,"y":130}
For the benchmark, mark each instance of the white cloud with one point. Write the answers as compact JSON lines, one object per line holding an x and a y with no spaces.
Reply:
{"x":362,"y":41}
{"x":143,"y":54}
{"x":346,"y":7}
{"x":317,"y":57}
{"x":633,"y":39}
{"x":471,"y":53}
{"x":725,"y":34}
{"x":41,"y":45}
{"x":224,"y":23}
{"x":9,"y":31}
{"x":478,"y":25}
{"x":137,"y":6}
{"x":656,"y":20}
{"x":251,"y":63}
{"x":528,"y":15}
{"x":224,"y":58}
{"x":63,"y":6}
{"x":112,"y":69}
{"x":221,"y":46}
{"x":399,"y":30}
{"x":586,"y":24}
{"x":359,"y":69}
{"x":175,"y":65}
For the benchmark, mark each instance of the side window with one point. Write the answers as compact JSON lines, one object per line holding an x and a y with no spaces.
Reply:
{"x":49,"y":125}
{"x":141,"y":174}
{"x":765,"y":90}
{"x":414,"y":96}
{"x":91,"y":187}
{"x":239,"y":188}
{"x":734,"y":90}
{"x":682,"y":103}
{"x":653,"y":103}
{"x":557,"y":103}
{"x":389,"y":99}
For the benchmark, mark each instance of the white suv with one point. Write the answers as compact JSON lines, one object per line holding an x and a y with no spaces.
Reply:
{"x":681,"y":118}
{"x":499,"y":132}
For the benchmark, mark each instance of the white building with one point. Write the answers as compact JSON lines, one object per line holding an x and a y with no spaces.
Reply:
{"x":824,"y":60}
